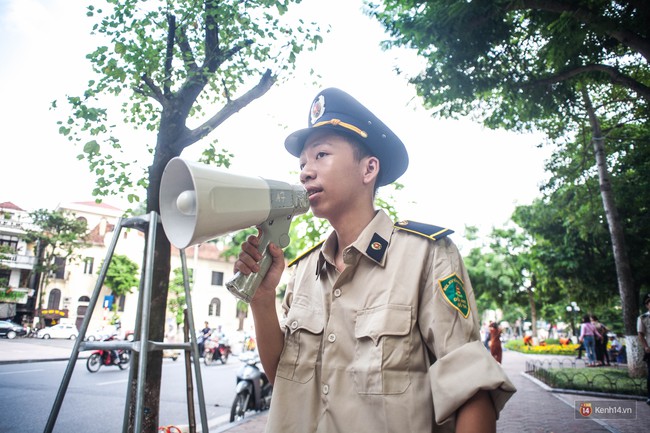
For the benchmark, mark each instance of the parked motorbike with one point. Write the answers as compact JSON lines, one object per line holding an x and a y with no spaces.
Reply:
{"x":107,"y":357}
{"x":253,"y":390}
{"x":216,"y":351}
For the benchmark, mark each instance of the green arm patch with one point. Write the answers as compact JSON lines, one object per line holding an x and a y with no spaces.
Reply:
{"x":453,"y":289}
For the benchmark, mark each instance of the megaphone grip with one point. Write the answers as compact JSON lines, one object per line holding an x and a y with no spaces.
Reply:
{"x":245,"y":286}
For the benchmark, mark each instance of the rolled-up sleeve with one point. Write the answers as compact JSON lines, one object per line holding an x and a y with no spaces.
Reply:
{"x":454,"y":380}
{"x":449,"y":323}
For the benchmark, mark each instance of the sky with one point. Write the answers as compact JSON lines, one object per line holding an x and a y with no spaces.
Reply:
{"x":460,"y":173}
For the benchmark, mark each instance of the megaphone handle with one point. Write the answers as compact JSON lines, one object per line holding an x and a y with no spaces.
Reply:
{"x":245,"y":286}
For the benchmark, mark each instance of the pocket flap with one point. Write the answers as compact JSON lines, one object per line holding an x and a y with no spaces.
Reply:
{"x":303,"y":318}
{"x":391,"y":319}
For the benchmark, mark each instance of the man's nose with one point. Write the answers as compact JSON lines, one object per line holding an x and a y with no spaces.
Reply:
{"x":307,"y":173}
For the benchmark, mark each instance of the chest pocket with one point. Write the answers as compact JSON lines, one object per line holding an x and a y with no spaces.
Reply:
{"x":381,"y":362}
{"x":303,"y":334}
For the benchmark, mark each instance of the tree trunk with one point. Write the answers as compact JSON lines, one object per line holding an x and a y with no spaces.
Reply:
{"x":533,"y":312}
{"x":629,"y":294}
{"x":634,"y":351}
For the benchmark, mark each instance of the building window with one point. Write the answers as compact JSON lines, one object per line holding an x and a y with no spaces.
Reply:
{"x":54,"y":299}
{"x":214,"y":309}
{"x":10,"y":242}
{"x":60,"y":268}
{"x":5,"y":274}
{"x":120,"y":303}
{"x":88,"y":265}
{"x":217,"y":278}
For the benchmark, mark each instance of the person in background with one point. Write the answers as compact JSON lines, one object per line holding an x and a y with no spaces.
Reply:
{"x":366,"y":312}
{"x":588,"y":336}
{"x":495,"y":342}
{"x":616,"y":349}
{"x":602,"y":357}
{"x":643,"y":329}
{"x":204,"y":334}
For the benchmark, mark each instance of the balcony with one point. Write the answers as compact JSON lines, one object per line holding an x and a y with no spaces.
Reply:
{"x":18,"y":261}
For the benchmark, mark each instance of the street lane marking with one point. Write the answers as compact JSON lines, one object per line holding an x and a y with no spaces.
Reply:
{"x":22,"y":371}
{"x":112,"y":382}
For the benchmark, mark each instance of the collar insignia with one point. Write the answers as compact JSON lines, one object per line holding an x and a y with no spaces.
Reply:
{"x":377,"y":248}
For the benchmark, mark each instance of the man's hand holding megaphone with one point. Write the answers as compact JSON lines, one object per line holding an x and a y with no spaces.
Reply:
{"x":248,"y":262}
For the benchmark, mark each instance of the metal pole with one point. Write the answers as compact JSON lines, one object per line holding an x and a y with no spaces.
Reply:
{"x":144,"y":328}
{"x":58,"y":401}
{"x":195,"y":348}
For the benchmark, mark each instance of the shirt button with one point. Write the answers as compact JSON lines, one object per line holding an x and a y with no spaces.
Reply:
{"x":294,"y":324}
{"x":337,"y":293}
{"x":326,"y":389}
{"x":331,"y":338}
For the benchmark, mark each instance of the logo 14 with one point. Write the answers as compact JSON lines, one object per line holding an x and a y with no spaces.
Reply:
{"x":585,"y":409}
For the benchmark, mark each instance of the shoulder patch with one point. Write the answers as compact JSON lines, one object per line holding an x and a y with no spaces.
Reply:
{"x":453,"y":290}
{"x":304,"y":254}
{"x":428,"y":231}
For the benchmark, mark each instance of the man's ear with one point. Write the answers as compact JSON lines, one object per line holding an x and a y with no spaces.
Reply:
{"x":371,"y":169}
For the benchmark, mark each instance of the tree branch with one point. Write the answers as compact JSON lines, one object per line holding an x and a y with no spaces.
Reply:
{"x":212,"y":50}
{"x":156,"y":93}
{"x":169,"y":54}
{"x":186,"y":51}
{"x":615,"y":77}
{"x":232,"y":107}
{"x":597,"y":23}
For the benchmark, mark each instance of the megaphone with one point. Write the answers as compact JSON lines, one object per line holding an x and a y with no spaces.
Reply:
{"x":199,"y":203}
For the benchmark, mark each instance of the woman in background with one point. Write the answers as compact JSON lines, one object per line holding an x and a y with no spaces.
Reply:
{"x":588,"y":335}
{"x":495,"y":342}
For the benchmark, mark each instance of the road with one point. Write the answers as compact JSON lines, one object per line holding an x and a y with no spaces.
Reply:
{"x":94,"y":402}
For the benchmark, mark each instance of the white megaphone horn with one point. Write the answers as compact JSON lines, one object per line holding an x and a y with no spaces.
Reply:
{"x":199,"y":203}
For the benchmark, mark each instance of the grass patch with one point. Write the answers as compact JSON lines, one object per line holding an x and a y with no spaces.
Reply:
{"x":599,"y":379}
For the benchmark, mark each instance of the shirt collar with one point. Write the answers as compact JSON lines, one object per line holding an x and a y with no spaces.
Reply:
{"x":372,"y":242}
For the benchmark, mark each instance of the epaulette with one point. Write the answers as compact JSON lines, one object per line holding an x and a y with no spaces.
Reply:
{"x":304,"y":254}
{"x":427,"y":230}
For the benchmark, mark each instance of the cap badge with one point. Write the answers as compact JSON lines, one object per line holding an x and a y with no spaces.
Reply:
{"x":317,"y":109}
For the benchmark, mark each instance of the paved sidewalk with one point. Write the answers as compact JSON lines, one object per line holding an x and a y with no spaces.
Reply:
{"x":35,"y":350}
{"x":533,"y":409}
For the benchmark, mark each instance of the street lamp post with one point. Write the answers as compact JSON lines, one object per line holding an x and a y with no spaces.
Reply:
{"x":572,"y":310}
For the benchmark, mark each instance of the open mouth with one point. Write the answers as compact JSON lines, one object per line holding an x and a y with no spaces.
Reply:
{"x":312,"y":191}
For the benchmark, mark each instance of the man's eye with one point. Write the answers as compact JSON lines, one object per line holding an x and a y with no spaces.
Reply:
{"x":320,"y":155}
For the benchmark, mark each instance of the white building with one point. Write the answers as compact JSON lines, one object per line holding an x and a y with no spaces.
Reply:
{"x":16,"y":264}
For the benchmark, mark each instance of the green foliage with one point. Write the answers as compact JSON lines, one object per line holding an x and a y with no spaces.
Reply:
{"x":8,"y":295}
{"x":526,"y":65}
{"x":55,"y":234}
{"x":176,"y":298}
{"x":601,"y":379}
{"x":515,"y":64}
{"x":169,"y":62}
{"x":121,"y":275}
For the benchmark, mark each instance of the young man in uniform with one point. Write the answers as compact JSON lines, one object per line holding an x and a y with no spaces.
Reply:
{"x":368,"y":311}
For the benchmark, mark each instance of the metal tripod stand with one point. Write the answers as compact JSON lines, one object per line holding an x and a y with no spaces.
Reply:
{"x":141,"y":343}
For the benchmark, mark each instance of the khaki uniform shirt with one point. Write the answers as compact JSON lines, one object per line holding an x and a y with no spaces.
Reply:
{"x":355,"y":355}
